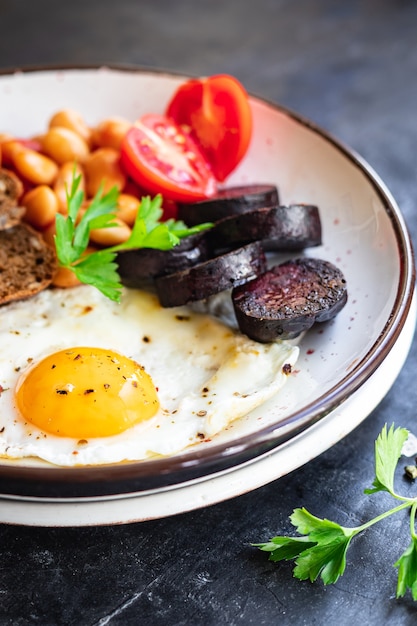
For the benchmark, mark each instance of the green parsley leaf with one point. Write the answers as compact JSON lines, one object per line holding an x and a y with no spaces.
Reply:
{"x":407,"y":570}
{"x":64,"y":240}
{"x":75,"y":197}
{"x":100,"y":271}
{"x":306,"y":523}
{"x":100,"y":268}
{"x":285,"y":548}
{"x":321,"y":552}
{"x":326,"y":559}
{"x":388,"y":448}
{"x":99,"y":214}
{"x":321,"y":549}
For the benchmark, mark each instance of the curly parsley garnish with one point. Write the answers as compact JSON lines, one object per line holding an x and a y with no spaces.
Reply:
{"x":99,"y":268}
{"x":320,"y":550}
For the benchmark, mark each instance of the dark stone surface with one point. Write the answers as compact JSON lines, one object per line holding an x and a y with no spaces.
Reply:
{"x":351,"y":67}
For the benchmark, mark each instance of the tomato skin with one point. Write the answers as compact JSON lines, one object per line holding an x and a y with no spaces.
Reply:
{"x":170,"y":209}
{"x":218,"y":112}
{"x":161,"y":158}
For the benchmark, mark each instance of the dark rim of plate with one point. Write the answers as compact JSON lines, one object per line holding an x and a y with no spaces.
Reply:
{"x":146,"y":476}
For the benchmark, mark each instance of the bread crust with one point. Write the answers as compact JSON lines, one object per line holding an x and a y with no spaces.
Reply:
{"x":11,"y":190}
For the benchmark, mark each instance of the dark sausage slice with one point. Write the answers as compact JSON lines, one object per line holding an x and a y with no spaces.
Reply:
{"x":138,"y":265}
{"x":287,"y":300}
{"x":212,"y":276}
{"x":293,"y":227}
{"x":231,"y":201}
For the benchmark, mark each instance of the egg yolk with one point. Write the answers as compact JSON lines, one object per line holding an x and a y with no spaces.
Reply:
{"x":86,"y":392}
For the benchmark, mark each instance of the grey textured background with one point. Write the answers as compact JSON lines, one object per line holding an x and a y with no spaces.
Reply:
{"x":350,"y":67}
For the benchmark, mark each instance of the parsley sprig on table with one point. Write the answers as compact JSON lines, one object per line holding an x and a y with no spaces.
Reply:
{"x":99,"y":268}
{"x":321,"y":548}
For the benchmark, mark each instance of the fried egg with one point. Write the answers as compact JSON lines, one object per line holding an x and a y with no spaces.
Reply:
{"x":86,"y":381}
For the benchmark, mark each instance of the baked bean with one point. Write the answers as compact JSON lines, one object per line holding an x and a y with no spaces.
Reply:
{"x":9,"y":147}
{"x":33,"y":166}
{"x":110,"y":133}
{"x":63,"y":145}
{"x":68,"y":118}
{"x":65,"y":278}
{"x":41,"y":205}
{"x":102,"y":168}
{"x":48,"y":163}
{"x":111,"y":236}
{"x":127,"y":208}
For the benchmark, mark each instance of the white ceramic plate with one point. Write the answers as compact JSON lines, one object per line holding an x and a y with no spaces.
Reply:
{"x":199,"y":493}
{"x":363,"y":233}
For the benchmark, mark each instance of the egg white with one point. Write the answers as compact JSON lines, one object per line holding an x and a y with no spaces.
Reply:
{"x":207,"y":374}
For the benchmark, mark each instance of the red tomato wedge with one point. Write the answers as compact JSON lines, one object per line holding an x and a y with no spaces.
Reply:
{"x":158,"y":155}
{"x":217,"y":111}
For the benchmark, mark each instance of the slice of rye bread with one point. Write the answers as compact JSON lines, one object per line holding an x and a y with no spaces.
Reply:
{"x":27,"y":263}
{"x":11,"y":189}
